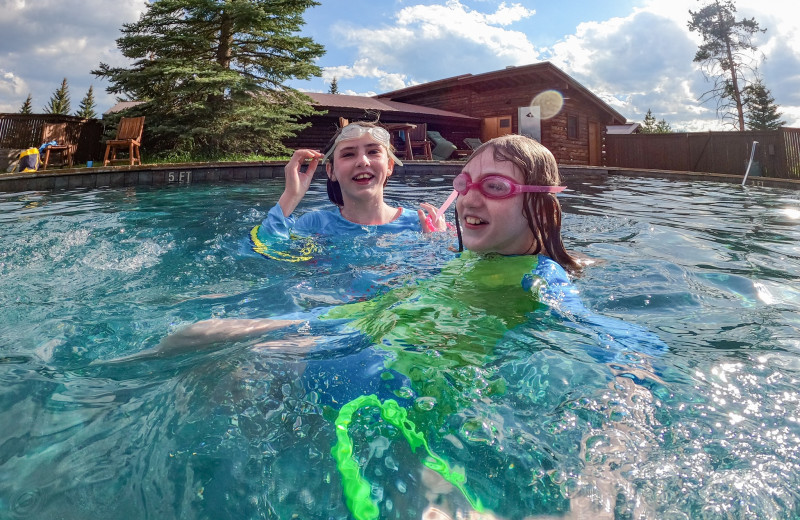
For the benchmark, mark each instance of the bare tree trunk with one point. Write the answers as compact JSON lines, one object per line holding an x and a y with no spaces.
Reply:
{"x":737,"y":96}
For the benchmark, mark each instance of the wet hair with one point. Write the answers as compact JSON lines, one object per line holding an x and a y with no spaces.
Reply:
{"x":334,"y":190}
{"x":541,"y":210}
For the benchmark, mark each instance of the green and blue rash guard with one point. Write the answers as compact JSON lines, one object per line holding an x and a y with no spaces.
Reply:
{"x":434,"y":331}
{"x":324,"y":222}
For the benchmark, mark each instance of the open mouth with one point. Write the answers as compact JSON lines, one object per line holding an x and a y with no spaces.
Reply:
{"x":363,"y":178}
{"x":474,"y":221}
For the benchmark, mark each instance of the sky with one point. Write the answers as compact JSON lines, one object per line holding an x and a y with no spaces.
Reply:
{"x":636,"y":55}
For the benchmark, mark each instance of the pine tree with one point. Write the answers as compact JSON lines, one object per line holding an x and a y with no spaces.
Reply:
{"x":662,"y":127}
{"x":59,"y":102}
{"x":87,"y":107}
{"x":211,"y":74}
{"x":27,"y":106}
{"x":761,"y":110}
{"x":651,"y":126}
{"x":725,"y":55}
{"x":334,"y":86}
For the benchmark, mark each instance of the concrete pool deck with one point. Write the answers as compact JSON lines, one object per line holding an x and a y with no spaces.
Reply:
{"x":189,"y":173}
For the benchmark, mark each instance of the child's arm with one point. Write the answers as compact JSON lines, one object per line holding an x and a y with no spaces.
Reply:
{"x":206,"y":333}
{"x":615,"y":336}
{"x":297,"y":181}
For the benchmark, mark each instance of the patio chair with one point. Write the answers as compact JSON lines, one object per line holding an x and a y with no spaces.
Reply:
{"x":418,"y":136}
{"x":472,"y":142}
{"x":64,"y":147}
{"x":129,"y":136}
{"x":443,"y":148}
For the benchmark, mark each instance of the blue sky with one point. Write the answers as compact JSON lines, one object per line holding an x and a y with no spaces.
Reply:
{"x":634,"y":54}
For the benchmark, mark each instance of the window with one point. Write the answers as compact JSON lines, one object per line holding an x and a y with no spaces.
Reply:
{"x":572,"y":127}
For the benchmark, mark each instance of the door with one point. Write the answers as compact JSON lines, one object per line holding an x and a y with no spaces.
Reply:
{"x":492,"y":127}
{"x":594,"y":144}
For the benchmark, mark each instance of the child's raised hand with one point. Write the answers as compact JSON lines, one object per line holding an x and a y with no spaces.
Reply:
{"x":297,"y":179}
{"x":426,"y":216}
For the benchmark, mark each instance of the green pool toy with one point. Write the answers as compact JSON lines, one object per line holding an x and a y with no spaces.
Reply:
{"x":356,"y":489}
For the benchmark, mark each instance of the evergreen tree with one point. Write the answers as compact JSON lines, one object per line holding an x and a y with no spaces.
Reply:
{"x":761,"y":110}
{"x":725,"y":55}
{"x":662,"y":127}
{"x":651,"y":126}
{"x":87,"y":107}
{"x":211,"y":74}
{"x":27,"y":106}
{"x":334,"y":86}
{"x":59,"y":101}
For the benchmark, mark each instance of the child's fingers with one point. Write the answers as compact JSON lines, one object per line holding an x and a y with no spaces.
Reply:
{"x":427,"y":214}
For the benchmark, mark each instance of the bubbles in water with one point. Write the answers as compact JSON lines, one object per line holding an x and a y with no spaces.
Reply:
{"x":26,"y":503}
{"x":425,"y":404}
{"x":404,"y":393}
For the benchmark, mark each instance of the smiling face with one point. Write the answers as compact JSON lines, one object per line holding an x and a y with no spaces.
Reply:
{"x":362,"y":167}
{"x":493,"y":225}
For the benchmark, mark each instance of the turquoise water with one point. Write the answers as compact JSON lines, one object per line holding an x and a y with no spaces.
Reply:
{"x":707,"y":430}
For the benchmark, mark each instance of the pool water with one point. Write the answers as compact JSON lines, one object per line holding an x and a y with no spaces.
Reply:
{"x":708,"y":429}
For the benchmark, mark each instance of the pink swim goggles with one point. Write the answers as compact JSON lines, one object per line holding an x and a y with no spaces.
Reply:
{"x":499,"y":187}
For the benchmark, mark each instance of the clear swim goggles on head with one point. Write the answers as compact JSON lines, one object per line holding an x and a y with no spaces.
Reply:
{"x":353,"y":131}
{"x":499,"y":187}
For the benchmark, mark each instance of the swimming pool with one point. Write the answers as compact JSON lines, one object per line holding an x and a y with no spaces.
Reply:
{"x":708,"y":429}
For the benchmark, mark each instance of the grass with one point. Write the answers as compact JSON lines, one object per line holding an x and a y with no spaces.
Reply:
{"x":186,"y":157}
{"x":179,"y":158}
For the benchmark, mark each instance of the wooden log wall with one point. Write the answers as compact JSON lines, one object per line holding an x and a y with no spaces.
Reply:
{"x":505,"y":99}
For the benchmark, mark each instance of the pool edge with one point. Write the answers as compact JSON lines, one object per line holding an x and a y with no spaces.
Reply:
{"x":190,"y":173}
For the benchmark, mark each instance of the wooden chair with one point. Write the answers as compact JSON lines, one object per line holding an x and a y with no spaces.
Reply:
{"x":129,"y":136}
{"x":343,"y":122}
{"x":418,"y":138}
{"x":65,"y":148}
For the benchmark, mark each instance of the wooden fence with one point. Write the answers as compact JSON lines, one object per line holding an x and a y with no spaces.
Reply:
{"x":777,"y":153}
{"x":18,"y":131}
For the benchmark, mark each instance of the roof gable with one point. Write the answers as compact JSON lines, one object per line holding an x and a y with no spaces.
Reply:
{"x":543,"y":72}
{"x":333,"y":101}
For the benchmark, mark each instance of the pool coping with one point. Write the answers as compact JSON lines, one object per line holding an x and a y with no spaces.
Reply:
{"x":189,"y":173}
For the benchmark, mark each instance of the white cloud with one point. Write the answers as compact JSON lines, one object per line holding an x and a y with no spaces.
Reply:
{"x":634,"y":62}
{"x":645,"y":61}
{"x":56,"y":39}
{"x":11,"y":87}
{"x":365,"y":68}
{"x":436,"y":41}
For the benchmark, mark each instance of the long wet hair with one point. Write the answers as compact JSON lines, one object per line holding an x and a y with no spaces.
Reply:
{"x":334,"y":190}
{"x":541,"y":210}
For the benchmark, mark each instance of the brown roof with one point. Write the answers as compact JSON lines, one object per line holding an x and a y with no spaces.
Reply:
{"x":375,"y":104}
{"x":521,"y":75}
{"x":334,"y":101}
{"x":122,"y":105}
